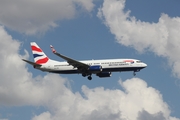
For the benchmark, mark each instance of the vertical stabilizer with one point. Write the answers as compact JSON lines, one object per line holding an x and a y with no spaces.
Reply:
{"x":39,"y":56}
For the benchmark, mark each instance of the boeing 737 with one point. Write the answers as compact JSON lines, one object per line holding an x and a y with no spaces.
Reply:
{"x":101,"y":68}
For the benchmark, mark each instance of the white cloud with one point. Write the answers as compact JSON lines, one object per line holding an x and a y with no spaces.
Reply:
{"x":162,"y":37}
{"x":37,"y":16}
{"x":87,"y":4}
{"x":136,"y":102}
{"x":146,"y":116}
{"x":43,"y":116}
{"x":18,"y":87}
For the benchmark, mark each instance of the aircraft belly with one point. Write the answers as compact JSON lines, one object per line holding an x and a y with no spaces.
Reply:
{"x":121,"y":69}
{"x":65,"y":71}
{"x":72,"y":70}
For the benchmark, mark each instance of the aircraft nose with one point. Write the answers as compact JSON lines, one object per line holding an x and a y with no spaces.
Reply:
{"x":145,"y":65}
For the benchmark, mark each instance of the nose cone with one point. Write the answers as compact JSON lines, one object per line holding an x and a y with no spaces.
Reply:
{"x":145,"y":65}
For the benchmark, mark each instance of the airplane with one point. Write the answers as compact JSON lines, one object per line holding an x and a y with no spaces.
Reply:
{"x":101,"y":68}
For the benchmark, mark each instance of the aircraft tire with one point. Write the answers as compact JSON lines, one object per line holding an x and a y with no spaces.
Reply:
{"x":84,"y":74}
{"x":89,"y":78}
{"x":134,"y":74}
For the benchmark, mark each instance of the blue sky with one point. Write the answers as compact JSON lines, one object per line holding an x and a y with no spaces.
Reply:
{"x":145,"y":30}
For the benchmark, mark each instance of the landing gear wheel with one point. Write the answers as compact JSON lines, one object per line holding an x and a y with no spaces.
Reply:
{"x":137,"y":70}
{"x":84,"y":74}
{"x":134,"y":74}
{"x":89,"y":78}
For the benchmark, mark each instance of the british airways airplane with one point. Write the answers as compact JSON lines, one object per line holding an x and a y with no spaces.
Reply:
{"x":101,"y":68}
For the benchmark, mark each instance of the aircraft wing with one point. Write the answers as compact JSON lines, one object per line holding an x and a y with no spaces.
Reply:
{"x":75,"y":63}
{"x":32,"y":63}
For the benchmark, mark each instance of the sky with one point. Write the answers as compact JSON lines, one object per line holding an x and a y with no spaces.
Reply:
{"x":90,"y":29}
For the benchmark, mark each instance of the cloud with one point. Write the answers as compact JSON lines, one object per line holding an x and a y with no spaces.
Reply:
{"x":18,"y":87}
{"x":37,"y":16}
{"x":86,"y":4}
{"x":146,"y":116}
{"x":43,"y":116}
{"x":161,"y":38}
{"x":136,"y":102}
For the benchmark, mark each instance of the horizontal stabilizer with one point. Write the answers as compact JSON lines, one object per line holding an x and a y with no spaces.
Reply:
{"x":32,"y":63}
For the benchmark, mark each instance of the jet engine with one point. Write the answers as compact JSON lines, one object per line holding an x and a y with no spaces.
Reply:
{"x":95,"y":68}
{"x":104,"y":74}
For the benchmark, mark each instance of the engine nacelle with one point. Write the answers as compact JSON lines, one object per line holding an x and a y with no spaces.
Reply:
{"x":104,"y":74}
{"x":95,"y":68}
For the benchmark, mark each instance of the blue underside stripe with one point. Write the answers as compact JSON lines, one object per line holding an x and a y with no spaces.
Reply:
{"x":104,"y":70}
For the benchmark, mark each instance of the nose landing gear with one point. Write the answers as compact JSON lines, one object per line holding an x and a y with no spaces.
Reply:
{"x":134,"y":73}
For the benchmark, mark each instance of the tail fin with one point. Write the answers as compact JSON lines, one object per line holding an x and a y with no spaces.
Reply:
{"x":39,"y":56}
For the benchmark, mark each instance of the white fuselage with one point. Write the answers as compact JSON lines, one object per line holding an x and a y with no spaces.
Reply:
{"x":108,"y":65}
{"x":102,"y":68}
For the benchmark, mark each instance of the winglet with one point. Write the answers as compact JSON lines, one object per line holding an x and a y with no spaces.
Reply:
{"x":52,"y":48}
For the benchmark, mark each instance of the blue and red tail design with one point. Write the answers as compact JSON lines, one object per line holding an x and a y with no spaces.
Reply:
{"x":39,"y":56}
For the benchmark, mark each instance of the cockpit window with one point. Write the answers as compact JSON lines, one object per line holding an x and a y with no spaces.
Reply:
{"x":138,"y":61}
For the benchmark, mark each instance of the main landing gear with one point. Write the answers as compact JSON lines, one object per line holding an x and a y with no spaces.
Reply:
{"x":89,"y":76}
